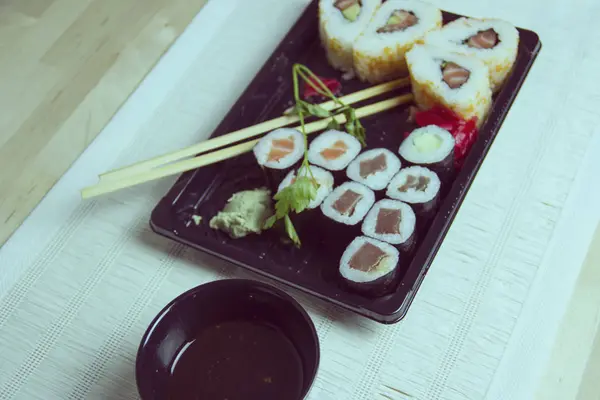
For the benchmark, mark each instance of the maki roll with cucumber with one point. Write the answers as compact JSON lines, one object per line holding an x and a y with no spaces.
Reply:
{"x":374,"y":168}
{"x":369,"y":266}
{"x":430,"y":146}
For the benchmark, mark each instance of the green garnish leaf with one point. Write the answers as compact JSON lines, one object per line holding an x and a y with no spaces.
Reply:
{"x":354,"y":127}
{"x":317,"y":111}
{"x":291,"y":231}
{"x":296,"y":197}
{"x":308,"y":109}
{"x":334,"y":124}
{"x":270,"y":222}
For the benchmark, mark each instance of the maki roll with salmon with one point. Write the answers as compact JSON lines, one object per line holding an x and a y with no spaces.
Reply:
{"x":333,"y":150}
{"x":393,"y":222}
{"x":430,"y":146}
{"x":379,"y":53}
{"x":458,"y":82}
{"x":278,"y":151}
{"x":340,"y":23}
{"x":369,"y":266}
{"x":493,"y":41}
{"x":374,"y":168}
{"x":323,"y":178}
{"x":417,"y":186}
{"x":348,"y":203}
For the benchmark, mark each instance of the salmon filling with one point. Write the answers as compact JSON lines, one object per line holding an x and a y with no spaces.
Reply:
{"x":347,"y":202}
{"x":418,"y":183}
{"x":367,"y":258}
{"x":345,"y":4}
{"x":280,"y":148}
{"x":454,"y":75}
{"x":372,"y":166}
{"x":487,"y":39}
{"x":388,"y":222}
{"x":338,"y":149}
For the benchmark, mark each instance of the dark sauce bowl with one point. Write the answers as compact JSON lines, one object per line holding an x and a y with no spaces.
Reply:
{"x":231,"y":339}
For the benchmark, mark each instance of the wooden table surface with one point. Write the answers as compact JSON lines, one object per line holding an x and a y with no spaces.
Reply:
{"x":68,"y":65}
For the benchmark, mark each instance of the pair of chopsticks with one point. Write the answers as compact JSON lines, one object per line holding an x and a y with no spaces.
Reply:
{"x":178,"y":161}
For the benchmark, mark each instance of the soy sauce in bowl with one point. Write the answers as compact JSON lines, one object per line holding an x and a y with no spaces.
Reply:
{"x":230,"y":339}
{"x":264,"y":361}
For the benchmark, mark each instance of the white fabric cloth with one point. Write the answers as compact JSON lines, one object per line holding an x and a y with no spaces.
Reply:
{"x":81,"y":280}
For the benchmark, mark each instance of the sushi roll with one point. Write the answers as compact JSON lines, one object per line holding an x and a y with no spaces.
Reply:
{"x":369,"y":266}
{"x":391,"y":221}
{"x":333,"y":150}
{"x":277,"y":152}
{"x":417,"y":186}
{"x":374,"y":168}
{"x":340,"y":23}
{"x":379,"y":52}
{"x":493,"y":41}
{"x":442,"y":77}
{"x":323,"y":178}
{"x":431,"y":146}
{"x":348,"y":203}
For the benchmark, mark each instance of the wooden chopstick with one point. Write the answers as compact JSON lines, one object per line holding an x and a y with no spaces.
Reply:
{"x":113,"y":185}
{"x":248,"y":133}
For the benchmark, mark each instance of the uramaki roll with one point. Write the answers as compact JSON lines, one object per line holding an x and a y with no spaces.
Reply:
{"x":379,"y":52}
{"x":458,"y":82}
{"x":493,"y":41}
{"x":340,"y":23}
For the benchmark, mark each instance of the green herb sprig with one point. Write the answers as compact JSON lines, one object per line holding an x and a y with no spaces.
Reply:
{"x":297,"y":196}
{"x":353,"y":125}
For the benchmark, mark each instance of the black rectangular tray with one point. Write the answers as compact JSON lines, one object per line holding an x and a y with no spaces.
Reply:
{"x":314,"y":267}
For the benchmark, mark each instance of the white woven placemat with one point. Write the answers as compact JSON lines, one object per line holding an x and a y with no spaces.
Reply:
{"x":80,"y":281}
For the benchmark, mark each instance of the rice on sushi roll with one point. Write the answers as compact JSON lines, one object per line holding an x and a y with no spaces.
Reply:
{"x":278,"y":151}
{"x":493,"y":41}
{"x":379,"y":52}
{"x":417,"y":186}
{"x":431,"y":146}
{"x":374,"y":168}
{"x":348,"y":203}
{"x":458,"y":82}
{"x":369,"y":266}
{"x":340,"y":23}
{"x":333,"y":150}
{"x":323,"y":178}
{"x":393,"y":222}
